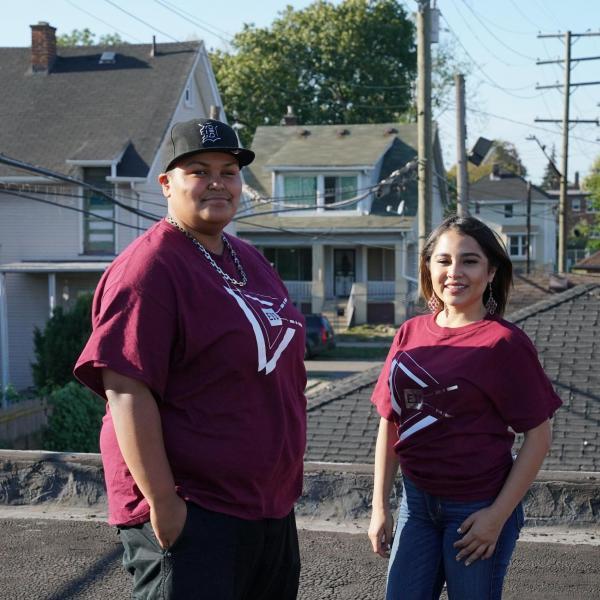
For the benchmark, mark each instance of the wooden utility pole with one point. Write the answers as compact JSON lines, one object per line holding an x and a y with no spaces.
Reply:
{"x":564,"y":181}
{"x":528,"y":241}
{"x":425,"y":152}
{"x":462,"y":177}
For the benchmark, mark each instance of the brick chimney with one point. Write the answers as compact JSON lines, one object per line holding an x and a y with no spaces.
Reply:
{"x":43,"y":47}
{"x":290,"y":119}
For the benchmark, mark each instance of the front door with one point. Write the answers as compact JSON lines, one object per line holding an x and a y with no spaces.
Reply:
{"x":344,"y":269}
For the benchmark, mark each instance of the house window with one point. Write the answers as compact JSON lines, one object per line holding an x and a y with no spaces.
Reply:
{"x":188,"y":96}
{"x":380,"y":264}
{"x":517,"y":246}
{"x":508,"y":211}
{"x":590,"y":206}
{"x":292,"y":264}
{"x":300,"y":190}
{"x":98,"y":220}
{"x":576,"y":204}
{"x":339,"y":188}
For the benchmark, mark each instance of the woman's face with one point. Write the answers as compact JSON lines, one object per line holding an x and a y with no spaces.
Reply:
{"x":460,"y":273}
{"x":203,"y":191}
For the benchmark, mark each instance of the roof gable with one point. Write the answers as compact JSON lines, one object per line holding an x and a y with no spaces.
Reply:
{"x":324,"y":147}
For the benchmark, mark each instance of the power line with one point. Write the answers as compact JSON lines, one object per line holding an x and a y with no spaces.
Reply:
{"x":141,"y":20}
{"x":488,"y":114}
{"x":496,"y":37}
{"x":102,"y":21}
{"x":498,"y":26}
{"x":490,"y":81}
{"x":67,"y":207}
{"x":481,"y":42}
{"x":190,"y":19}
{"x":19,"y":164}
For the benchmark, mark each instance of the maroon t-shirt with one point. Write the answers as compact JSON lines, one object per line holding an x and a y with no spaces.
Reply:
{"x":453,"y":394}
{"x":225,"y":364}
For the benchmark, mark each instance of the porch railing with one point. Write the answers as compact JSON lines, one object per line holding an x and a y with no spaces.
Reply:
{"x":299,"y":290}
{"x":380,"y":290}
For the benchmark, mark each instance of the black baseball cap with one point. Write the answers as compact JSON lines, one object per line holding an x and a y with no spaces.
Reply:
{"x":204,"y":135}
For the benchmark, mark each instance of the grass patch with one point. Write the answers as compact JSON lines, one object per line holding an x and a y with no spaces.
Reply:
{"x":354,"y":353}
{"x":368,"y":333}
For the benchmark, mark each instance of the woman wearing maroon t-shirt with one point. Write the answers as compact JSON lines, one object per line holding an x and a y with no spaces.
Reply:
{"x":199,"y":352}
{"x":454,"y":388}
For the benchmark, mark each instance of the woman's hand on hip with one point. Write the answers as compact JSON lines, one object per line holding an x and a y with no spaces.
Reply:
{"x":480,"y":534}
{"x":380,"y":531}
{"x":167,"y":518}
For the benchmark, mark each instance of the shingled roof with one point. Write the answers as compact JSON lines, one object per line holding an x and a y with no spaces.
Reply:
{"x":504,"y":187}
{"x":330,"y":146}
{"x":565,"y":328}
{"x":84,"y":110}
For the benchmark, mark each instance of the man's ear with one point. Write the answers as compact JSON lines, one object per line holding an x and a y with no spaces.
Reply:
{"x":165,"y":184}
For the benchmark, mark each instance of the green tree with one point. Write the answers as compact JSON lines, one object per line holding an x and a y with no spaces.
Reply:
{"x":354,"y":62}
{"x":85,"y":37}
{"x":592,"y":185}
{"x":57,"y":347}
{"x":504,"y":154}
{"x":551,"y":178}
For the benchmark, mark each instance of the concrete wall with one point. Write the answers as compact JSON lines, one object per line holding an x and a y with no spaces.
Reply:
{"x":334,"y":492}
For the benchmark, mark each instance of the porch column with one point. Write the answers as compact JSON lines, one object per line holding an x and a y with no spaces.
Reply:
{"x":318,"y":278}
{"x":3,"y":341}
{"x":400,"y":285}
{"x":51,"y":292}
{"x":361,"y":287}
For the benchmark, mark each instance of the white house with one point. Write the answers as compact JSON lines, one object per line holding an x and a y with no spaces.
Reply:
{"x":100,"y":115}
{"x":500,"y":201}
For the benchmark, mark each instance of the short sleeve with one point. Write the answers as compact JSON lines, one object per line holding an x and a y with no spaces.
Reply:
{"x":132,"y":334}
{"x":522,"y":393}
{"x":381,"y":393}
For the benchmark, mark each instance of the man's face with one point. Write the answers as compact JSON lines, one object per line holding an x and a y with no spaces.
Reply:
{"x":203,"y":191}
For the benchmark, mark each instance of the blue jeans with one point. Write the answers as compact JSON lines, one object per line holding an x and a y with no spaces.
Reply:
{"x":423,"y":556}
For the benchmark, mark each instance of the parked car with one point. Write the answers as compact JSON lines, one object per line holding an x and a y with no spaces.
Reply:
{"x":319,"y":335}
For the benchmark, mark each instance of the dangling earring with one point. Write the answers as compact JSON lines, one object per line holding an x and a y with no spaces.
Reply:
{"x":491,"y":305}
{"x":434,"y":304}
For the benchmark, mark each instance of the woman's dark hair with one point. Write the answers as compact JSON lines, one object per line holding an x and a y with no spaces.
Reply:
{"x":492,"y":247}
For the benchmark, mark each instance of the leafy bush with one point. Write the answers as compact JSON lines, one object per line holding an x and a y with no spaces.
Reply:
{"x":75,"y":421}
{"x":59,"y":345}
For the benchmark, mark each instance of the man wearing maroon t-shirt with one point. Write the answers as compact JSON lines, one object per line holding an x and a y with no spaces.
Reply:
{"x":199,"y":352}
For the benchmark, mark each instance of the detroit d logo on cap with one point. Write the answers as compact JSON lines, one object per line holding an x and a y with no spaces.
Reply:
{"x":209,"y":132}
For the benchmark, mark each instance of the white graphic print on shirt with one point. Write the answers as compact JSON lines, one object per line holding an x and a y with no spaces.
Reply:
{"x":273,"y":332}
{"x":417,"y":407}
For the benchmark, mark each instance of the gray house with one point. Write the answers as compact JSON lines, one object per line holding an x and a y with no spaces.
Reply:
{"x":99,"y":115}
{"x":340,"y":247}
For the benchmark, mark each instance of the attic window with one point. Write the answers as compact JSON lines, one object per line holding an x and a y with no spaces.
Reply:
{"x":108,"y":58}
{"x":188,"y":96}
{"x":342,"y":132}
{"x":391,"y":131}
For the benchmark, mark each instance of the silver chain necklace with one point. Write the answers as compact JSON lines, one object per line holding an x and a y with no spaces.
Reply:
{"x":210,"y":259}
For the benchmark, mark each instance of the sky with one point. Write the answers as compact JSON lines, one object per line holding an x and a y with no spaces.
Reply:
{"x":497,"y":40}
